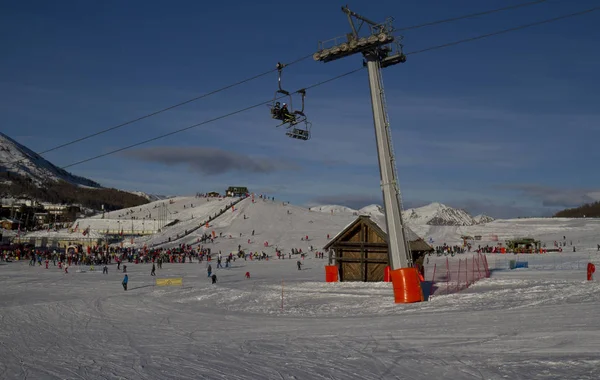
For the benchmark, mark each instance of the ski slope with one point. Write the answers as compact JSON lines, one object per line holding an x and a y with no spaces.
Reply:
{"x":279,"y":224}
{"x":521,"y":324}
{"x":190,"y":211}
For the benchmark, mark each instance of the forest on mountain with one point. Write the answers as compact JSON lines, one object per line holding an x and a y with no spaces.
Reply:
{"x":16,"y":186}
{"x":588,"y":210}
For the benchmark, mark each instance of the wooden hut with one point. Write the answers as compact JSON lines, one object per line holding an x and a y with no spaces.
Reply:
{"x":361,"y":250}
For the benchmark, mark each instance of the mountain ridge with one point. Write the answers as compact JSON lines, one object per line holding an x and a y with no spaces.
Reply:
{"x":16,"y":158}
{"x":433,"y":214}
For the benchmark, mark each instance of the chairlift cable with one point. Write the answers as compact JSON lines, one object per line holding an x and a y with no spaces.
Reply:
{"x":293,"y":62}
{"x":259,"y":76}
{"x":482,"y":36}
{"x":471,"y":15}
{"x":331,"y":80}
{"x":205,"y":122}
{"x":160,"y":111}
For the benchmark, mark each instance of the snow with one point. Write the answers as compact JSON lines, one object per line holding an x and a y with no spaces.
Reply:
{"x":438,"y":214}
{"x":375,"y":210}
{"x":537,"y":323}
{"x":31,"y":165}
{"x":333,"y":209}
{"x":150,"y":197}
{"x":520,"y":324}
{"x":481,"y":219}
{"x":432,"y":214}
{"x":190,"y":211}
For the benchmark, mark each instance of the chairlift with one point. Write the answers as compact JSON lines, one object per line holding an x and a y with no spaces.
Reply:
{"x":277,"y":109}
{"x":294,"y":119}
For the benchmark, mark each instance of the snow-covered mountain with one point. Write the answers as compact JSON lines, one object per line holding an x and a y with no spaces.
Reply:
{"x":17,"y":158}
{"x":482,"y":219}
{"x":151,"y":197}
{"x":437,"y":214}
{"x":434,"y":214}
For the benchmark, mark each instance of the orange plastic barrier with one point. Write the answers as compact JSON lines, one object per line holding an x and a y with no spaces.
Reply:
{"x":387,"y":277}
{"x":331,"y":273}
{"x":407,"y":286}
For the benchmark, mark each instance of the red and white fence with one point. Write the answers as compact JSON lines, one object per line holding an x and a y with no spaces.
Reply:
{"x":454,"y":274}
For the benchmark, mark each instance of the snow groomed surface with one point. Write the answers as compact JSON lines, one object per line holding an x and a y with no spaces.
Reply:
{"x":519,"y":324}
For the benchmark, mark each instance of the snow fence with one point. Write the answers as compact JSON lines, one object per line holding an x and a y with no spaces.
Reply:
{"x":455,"y":274}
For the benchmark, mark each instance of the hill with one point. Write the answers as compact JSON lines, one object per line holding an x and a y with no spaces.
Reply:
{"x":588,"y":210}
{"x":16,"y":158}
{"x":25,"y":174}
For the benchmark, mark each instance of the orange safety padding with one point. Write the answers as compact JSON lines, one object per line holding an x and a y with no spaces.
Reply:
{"x":591,"y":268}
{"x":331,"y":273}
{"x":387,"y":277}
{"x":407,"y":286}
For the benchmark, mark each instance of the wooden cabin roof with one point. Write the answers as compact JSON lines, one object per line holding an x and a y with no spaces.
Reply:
{"x":379,"y":225}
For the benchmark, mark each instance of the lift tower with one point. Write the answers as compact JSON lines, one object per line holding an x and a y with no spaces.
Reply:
{"x":380,"y":49}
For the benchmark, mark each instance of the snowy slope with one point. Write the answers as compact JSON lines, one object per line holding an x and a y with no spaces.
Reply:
{"x":373,"y":210}
{"x":17,"y":158}
{"x":189,"y":211}
{"x":281,"y":225}
{"x":284,"y":323}
{"x":333,"y":209}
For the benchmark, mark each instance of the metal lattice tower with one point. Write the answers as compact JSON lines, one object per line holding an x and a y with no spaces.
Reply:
{"x":380,"y":49}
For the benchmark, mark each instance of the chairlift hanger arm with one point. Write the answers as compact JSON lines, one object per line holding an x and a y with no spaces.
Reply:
{"x":280,"y":67}
{"x":356,"y":15}
{"x":303,"y":93}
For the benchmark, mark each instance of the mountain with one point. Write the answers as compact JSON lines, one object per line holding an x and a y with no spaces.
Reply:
{"x":18,"y":159}
{"x":588,"y":210}
{"x":437,"y":214}
{"x":151,"y":197}
{"x":482,"y":219}
{"x":434,"y":214}
{"x":24,"y":174}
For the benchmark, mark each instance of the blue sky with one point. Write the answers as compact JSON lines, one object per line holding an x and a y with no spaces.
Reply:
{"x":507,"y":125}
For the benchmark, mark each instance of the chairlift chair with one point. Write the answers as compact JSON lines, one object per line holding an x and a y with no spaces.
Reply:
{"x":275,"y":106}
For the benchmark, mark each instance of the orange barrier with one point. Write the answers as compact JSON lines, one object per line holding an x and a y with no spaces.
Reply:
{"x":407,"y":287}
{"x":387,"y":277}
{"x":331,"y":273}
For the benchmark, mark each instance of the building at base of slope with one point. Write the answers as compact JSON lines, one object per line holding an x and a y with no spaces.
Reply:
{"x":360,"y":251}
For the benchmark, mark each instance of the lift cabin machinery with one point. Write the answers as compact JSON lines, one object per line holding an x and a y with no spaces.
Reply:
{"x":295,"y":119}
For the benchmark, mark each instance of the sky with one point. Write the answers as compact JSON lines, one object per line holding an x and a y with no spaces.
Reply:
{"x":507,"y":125}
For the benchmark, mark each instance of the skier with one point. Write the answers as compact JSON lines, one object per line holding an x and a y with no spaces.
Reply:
{"x":209,"y":270}
{"x":125,"y":281}
{"x":153,"y":272}
{"x":299,"y":263}
{"x":214,"y":278}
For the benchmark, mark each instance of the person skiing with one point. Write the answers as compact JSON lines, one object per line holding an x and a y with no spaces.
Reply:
{"x":209,"y":270}
{"x":153,"y":271}
{"x":214,"y":278}
{"x":125,"y":281}
{"x":299,"y":263}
